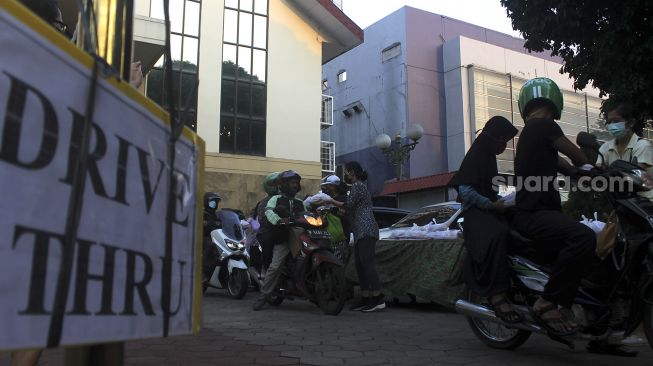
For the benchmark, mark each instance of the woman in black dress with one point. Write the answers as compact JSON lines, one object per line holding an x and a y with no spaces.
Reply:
{"x":486,"y":232}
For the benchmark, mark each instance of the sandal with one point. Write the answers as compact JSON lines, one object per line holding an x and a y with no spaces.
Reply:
{"x":507,"y":316}
{"x":550,"y":324}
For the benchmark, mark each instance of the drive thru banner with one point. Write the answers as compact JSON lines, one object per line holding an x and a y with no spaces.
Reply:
{"x":116,"y":287}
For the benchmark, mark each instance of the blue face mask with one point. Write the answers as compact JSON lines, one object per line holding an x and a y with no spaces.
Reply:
{"x":213,"y":204}
{"x":617,"y":129}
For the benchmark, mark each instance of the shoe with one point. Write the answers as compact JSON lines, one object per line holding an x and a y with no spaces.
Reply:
{"x":376,"y":304}
{"x":260,"y":303}
{"x":361,"y":305}
{"x":604,"y":348}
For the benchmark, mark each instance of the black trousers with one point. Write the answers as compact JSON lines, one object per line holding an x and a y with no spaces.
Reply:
{"x":209,"y":256}
{"x":570,"y":244}
{"x":365,"y":258}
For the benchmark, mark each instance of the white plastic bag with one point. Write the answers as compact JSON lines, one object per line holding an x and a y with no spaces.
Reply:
{"x":509,"y":199}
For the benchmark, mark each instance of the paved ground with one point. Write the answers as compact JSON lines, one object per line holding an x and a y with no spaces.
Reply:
{"x":297,"y":333}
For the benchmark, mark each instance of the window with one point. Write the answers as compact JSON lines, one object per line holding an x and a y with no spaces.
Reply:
{"x":326,"y":118}
{"x":184,"y":43}
{"x":391,"y":52}
{"x":244,"y":75}
{"x":328,"y":157}
{"x":342,"y":76}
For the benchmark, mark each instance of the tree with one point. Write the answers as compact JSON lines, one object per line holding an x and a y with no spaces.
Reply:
{"x":188,"y":78}
{"x":605,"y":43}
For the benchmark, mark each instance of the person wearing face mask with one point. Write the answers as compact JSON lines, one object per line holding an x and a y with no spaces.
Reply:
{"x":210,"y":223}
{"x":485,"y":268}
{"x":358,"y":205}
{"x":627,"y":144}
{"x":279,"y":212}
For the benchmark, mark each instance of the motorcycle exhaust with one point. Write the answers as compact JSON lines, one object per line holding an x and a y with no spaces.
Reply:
{"x":483,"y":313}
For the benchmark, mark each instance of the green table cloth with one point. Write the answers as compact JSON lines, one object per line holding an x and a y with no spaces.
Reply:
{"x":431,"y":270}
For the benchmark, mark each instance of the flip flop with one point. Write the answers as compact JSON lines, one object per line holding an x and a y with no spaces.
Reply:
{"x":510,"y":316}
{"x":547,"y":323}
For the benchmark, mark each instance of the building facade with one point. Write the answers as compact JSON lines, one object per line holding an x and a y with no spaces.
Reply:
{"x":249,"y":74}
{"x":446,"y":75}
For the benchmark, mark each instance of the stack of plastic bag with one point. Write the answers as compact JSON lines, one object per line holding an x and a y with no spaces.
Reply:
{"x":593,"y":224}
{"x":432,"y":230}
{"x":317,"y":198}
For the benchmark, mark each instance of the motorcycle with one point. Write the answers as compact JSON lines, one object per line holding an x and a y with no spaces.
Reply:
{"x":231,"y":262}
{"x":316,"y":273}
{"x":609,"y":309}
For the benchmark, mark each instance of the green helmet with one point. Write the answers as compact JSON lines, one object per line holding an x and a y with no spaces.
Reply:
{"x":269,"y":184}
{"x":537,"y":92}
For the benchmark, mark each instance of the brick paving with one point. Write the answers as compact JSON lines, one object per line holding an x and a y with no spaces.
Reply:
{"x":297,"y":333}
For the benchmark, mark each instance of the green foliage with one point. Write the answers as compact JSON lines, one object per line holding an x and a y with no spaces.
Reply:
{"x":604,"y":43}
{"x":188,"y":79}
{"x":155,"y":82}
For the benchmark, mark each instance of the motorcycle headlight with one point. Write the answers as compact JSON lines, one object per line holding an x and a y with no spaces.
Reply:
{"x":233,"y":245}
{"x":314,"y":221}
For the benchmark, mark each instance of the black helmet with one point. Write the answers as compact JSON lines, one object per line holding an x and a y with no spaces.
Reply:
{"x":285,"y":177}
{"x":210,"y":197}
{"x":289,"y":174}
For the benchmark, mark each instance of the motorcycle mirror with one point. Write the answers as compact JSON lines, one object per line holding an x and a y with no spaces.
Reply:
{"x":587,"y":140}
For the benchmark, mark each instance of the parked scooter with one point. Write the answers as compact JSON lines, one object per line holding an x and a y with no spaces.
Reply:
{"x":316,"y":273}
{"x":611,"y":309}
{"x":230,"y":269}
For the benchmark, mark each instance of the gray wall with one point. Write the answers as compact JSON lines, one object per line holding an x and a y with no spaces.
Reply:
{"x":380,"y":87}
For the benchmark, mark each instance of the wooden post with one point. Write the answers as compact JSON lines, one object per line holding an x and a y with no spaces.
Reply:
{"x":108,"y":354}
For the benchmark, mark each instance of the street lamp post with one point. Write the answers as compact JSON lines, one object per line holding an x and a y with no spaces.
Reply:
{"x":399,"y":153}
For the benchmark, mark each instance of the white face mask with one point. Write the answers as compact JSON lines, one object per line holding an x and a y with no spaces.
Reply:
{"x":213,"y":204}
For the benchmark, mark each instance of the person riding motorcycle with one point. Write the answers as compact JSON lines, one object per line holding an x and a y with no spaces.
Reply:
{"x":264,"y":234}
{"x":280,"y":210}
{"x":539,"y":216}
{"x":210,"y":223}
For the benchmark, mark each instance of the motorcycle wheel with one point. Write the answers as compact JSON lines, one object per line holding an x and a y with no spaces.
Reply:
{"x":238,"y":283}
{"x":493,"y":334}
{"x":647,"y":323}
{"x":330,"y":288}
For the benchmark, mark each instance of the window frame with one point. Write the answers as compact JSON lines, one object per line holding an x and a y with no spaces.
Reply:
{"x":250,"y":119}
{"x":179,"y":73}
{"x":341,"y":79}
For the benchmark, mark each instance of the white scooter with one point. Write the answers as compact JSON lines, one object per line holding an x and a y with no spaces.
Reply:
{"x":231,"y":268}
